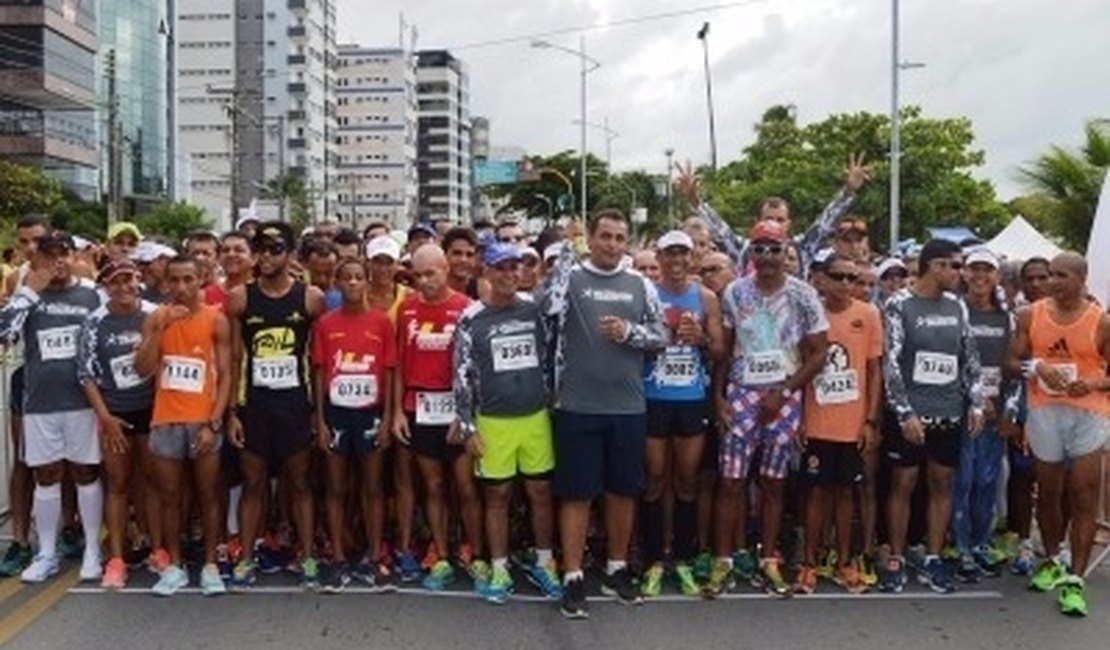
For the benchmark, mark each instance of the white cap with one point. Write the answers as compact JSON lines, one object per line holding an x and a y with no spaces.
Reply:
{"x":244,"y":220}
{"x":147,"y":251}
{"x":675,"y":238}
{"x":383,"y":245}
{"x":981,"y":255}
{"x":528,"y":251}
{"x":891,"y":263}
{"x":80,"y":243}
{"x":553,"y":251}
{"x":823,"y":255}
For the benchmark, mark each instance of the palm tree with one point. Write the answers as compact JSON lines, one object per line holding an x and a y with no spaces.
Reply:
{"x":1069,"y":184}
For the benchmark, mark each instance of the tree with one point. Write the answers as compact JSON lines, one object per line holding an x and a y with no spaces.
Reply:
{"x":804,"y":164}
{"x":25,"y":190}
{"x":293,"y":194}
{"x":173,"y":220}
{"x":84,"y":218}
{"x":1066,"y":186}
{"x":555,"y":173}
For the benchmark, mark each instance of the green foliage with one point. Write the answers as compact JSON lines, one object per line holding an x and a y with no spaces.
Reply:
{"x":173,"y":220}
{"x":292,"y":192}
{"x":90,"y":220}
{"x":805,"y":165}
{"x":25,"y":190}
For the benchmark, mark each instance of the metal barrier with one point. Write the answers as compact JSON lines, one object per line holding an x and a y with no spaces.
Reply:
{"x":1103,"y":524}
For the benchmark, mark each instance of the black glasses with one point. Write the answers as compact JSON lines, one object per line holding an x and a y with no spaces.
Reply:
{"x":510,"y":239}
{"x":273,"y":248}
{"x":767,"y":249}
{"x":894,"y":275}
{"x":836,"y":276}
{"x":710,"y":270}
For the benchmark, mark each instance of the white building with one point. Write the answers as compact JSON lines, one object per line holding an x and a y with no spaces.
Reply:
{"x":375,"y":158}
{"x":443,"y":137}
{"x":254,"y":80}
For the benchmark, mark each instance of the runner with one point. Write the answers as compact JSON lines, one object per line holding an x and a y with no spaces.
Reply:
{"x":893,"y":277}
{"x":348,"y":244}
{"x":124,"y":403}
{"x":271,"y":424}
{"x":424,"y":413}
{"x":980,"y":469}
{"x":151,"y":258}
{"x":702,"y":238}
{"x":236,"y":259}
{"x":933,"y":383}
{"x":353,"y":356}
{"x":1062,"y":346}
{"x":501,"y":394}
{"x":646,"y":263}
{"x":851,"y":239}
{"x":842,"y":407}
{"x":864,"y":288}
{"x":510,"y":232}
{"x":123,"y":239}
{"x":59,"y":427}
{"x":204,"y":247}
{"x":531,"y":271}
{"x":676,"y":386}
{"x":776,"y":327}
{"x":605,"y":320}
{"x":460,"y":244}
{"x":419,"y":234}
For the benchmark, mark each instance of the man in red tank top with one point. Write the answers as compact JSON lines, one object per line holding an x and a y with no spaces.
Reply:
{"x":1063,"y":348}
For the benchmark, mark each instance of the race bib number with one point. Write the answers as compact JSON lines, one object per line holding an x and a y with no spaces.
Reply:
{"x":677,"y":367}
{"x":123,"y":372}
{"x":58,"y":343}
{"x":836,"y":387}
{"x":184,"y":374}
{"x":354,"y":391}
{"x":275,"y":372}
{"x":763,"y":368}
{"x":992,"y":381}
{"x":1069,"y":371}
{"x":934,"y":368}
{"x":435,"y":409}
{"x":514,"y":352}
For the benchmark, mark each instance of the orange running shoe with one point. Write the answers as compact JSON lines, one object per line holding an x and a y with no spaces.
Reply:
{"x":158,"y":561}
{"x":806,"y":582}
{"x":115,"y":574}
{"x":849,"y":577}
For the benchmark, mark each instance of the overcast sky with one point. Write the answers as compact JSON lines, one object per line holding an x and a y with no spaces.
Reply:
{"x":1027,"y":72}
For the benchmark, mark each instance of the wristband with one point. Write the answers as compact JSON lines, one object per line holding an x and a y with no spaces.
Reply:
{"x":1029,"y":368}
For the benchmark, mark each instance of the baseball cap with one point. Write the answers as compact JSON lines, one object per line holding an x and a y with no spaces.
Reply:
{"x":124,"y":227}
{"x":767,"y":230}
{"x":383,"y":245}
{"x":58,"y":239}
{"x":675,"y":238}
{"x":982,"y":255}
{"x":275,"y":230}
{"x":147,"y":251}
{"x":821,"y":260}
{"x":499,"y":252}
{"x":422,"y":228}
{"x":528,"y":251}
{"x":114,"y":268}
{"x":850,"y":226}
{"x":245,"y":220}
{"x":892,"y":264}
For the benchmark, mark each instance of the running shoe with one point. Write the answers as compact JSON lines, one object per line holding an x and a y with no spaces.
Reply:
{"x":244,"y":575}
{"x":1049,"y":575}
{"x":865,"y":565}
{"x":223,"y":561}
{"x":850,"y":579}
{"x":310,"y":574}
{"x":950,"y":553}
{"x":1007,"y":545}
{"x":893,"y":577}
{"x":573,"y":604}
{"x":969,"y":570}
{"x":745,"y":566}
{"x":431,"y":557}
{"x":806,"y":582}
{"x":500,"y":584}
{"x":465,"y":554}
{"x":619,"y":585}
{"x":687,"y":583}
{"x":17,"y":558}
{"x":441,"y":575}
{"x":771,"y":573}
{"x":1073,"y":597}
{"x":336,"y":578}
{"x":70,"y":545}
{"x":158,"y":561}
{"x":987,"y":561}
{"x":936,"y":574}
{"x":115,"y":574}
{"x":546,"y":579}
{"x":408,"y":567}
{"x":267,"y":557}
{"x":720,"y":579}
{"x":211,"y":582}
{"x":91,"y":568}
{"x":41,"y":569}
{"x":652,"y":584}
{"x":172,"y":580}
{"x":480,"y":572}
{"x":365,"y":572}
{"x":826,"y":567}
{"x":1024,"y":559}
{"x":703,"y":566}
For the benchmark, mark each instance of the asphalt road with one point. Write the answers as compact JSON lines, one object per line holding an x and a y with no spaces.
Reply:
{"x":995,"y":614}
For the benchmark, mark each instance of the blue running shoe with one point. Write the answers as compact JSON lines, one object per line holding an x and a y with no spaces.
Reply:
{"x":892,"y":577}
{"x":936,"y":574}
{"x":546,"y":579}
{"x":408,"y":567}
{"x":441,"y":575}
{"x":268,"y":559}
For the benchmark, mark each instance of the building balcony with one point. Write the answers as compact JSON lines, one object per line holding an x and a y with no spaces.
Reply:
{"x":297,"y":143}
{"x":40,"y":147}
{"x":297,"y":59}
{"x":298,"y":171}
{"x":297,"y":31}
{"x":297,"y":88}
{"x":297,"y":5}
{"x":45,"y":91}
{"x":296,"y":115}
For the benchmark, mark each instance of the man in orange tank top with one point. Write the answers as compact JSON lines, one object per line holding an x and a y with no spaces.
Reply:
{"x":1063,"y":348}
{"x":187,"y":345}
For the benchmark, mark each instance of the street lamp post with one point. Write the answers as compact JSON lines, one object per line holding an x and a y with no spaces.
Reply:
{"x":703,"y":36}
{"x":896,"y":67}
{"x":610,"y":135}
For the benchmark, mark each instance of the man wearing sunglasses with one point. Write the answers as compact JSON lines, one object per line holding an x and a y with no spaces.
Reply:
{"x":851,"y":239}
{"x":893,"y":277}
{"x":934,"y":387}
{"x":776,"y":327}
{"x":271,"y":426}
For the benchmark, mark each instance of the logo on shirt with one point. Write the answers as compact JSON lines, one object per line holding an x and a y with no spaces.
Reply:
{"x":606,"y":295}
{"x":273,"y":341}
{"x":347,"y":362}
{"x":837,"y":359}
{"x":936,"y":320}
{"x":512,"y":327}
{"x":857,"y":325}
{"x":988,"y":332}
{"x":424,"y":338}
{"x":1059,"y":348}
{"x":123,"y":339}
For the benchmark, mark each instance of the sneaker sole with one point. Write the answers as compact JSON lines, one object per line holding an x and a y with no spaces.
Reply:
{"x":611,"y":593}
{"x":577,"y":615}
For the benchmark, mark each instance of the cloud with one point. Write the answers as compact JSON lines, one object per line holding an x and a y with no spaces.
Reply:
{"x":1028,"y":73}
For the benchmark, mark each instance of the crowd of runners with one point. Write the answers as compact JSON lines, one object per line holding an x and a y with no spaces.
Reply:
{"x":478,"y":404}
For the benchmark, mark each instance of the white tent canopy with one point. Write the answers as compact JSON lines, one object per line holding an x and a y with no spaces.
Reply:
{"x":1021,"y":241}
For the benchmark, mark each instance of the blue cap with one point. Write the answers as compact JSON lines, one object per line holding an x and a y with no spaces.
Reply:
{"x":422,"y":227}
{"x":499,"y":252}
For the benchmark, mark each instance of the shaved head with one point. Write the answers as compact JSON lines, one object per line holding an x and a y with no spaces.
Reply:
{"x":429,"y":270}
{"x":428,"y":255}
{"x":717,"y":259}
{"x":1073,"y":263}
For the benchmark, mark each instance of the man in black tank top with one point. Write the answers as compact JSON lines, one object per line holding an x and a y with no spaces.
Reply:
{"x":271,"y":425}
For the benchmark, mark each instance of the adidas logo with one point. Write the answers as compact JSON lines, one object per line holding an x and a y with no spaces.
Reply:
{"x":1059,"y":348}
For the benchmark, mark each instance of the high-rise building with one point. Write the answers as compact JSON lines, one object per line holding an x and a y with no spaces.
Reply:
{"x":255,"y":95}
{"x":48,"y":89}
{"x":134,"y":115}
{"x":375,"y":171}
{"x":443,"y":136}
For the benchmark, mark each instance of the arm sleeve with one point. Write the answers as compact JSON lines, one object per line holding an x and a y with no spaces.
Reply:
{"x":825,"y":224}
{"x":553,"y":299}
{"x":970,"y":367}
{"x":15,"y":313}
{"x":87,"y":366}
{"x":894,"y":337}
{"x":651,"y":332}
{"x":464,"y":384}
{"x":729,"y":242}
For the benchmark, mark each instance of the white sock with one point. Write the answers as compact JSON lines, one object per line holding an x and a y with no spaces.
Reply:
{"x":233,"y":496}
{"x":725,"y":560}
{"x":500,"y":563}
{"x":543,"y":556}
{"x":612,"y":566}
{"x":47,"y":510}
{"x":570,"y":576}
{"x":90,"y":503}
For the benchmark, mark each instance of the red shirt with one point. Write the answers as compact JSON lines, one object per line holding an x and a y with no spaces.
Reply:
{"x":426,"y":332}
{"x":354,"y":351}
{"x":215,"y":295}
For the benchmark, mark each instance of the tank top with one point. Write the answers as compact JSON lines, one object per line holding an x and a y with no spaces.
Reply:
{"x":275,"y":344}
{"x":186,"y":390}
{"x":1072,"y":349}
{"x":678,"y":372}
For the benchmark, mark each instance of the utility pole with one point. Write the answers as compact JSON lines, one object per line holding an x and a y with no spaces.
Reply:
{"x":234,"y":111}
{"x":703,"y":36}
{"x":669,"y":153}
{"x":115,"y":143}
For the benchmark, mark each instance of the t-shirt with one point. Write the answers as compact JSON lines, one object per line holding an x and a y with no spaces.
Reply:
{"x":992,"y":330}
{"x":106,"y":355}
{"x":678,"y":372}
{"x":186,"y":384}
{"x":354,"y":351}
{"x":215,"y":295}
{"x":426,"y":332}
{"x":836,"y":400}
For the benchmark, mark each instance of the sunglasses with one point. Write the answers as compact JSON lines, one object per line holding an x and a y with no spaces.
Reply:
{"x":842,"y":277}
{"x":272,"y":248}
{"x":767,"y":249}
{"x":510,"y":240}
{"x":711,"y":270}
{"x":894,"y":275}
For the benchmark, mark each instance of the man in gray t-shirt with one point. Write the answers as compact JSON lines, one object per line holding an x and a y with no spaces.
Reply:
{"x":605,"y":319}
